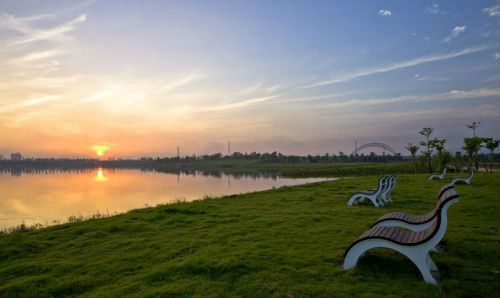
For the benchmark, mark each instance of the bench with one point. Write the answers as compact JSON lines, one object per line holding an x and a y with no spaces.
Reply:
{"x":414,"y":245}
{"x":463,"y":179}
{"x":438,"y":176}
{"x":372,"y":195}
{"x":412,"y":222}
{"x":386,"y":194}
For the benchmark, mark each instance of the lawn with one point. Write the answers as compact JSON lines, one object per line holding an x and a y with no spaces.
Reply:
{"x":286,"y":242}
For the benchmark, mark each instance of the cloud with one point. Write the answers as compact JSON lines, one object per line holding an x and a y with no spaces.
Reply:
{"x":455,"y":32}
{"x":32,"y":34}
{"x":434,"y":9}
{"x":493,"y":11}
{"x":450,"y":95}
{"x":396,"y":66}
{"x":421,"y":78}
{"x":29,"y":103}
{"x":243,"y":103}
{"x":385,"y":13}
{"x":496,"y":55}
{"x":21,"y":25}
{"x":36,"y":56}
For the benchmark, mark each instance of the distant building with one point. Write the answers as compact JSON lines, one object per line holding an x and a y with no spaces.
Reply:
{"x":16,"y":156}
{"x":1,"y":157}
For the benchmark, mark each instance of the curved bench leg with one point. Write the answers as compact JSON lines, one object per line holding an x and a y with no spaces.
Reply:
{"x":430,"y":263}
{"x":353,"y":200}
{"x":376,"y":202}
{"x":356,"y":199}
{"x":421,"y":261}
{"x":351,"y":258}
{"x":419,"y":257}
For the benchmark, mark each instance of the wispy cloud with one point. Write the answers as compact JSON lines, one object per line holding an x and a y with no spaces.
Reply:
{"x":243,"y":103}
{"x":21,"y":25}
{"x":396,"y":66}
{"x":32,"y":34}
{"x":455,"y":32}
{"x":493,"y":11}
{"x":496,"y":55}
{"x":168,"y":82}
{"x":391,"y":118}
{"x":35,"y":56}
{"x":434,"y":9}
{"x":450,"y":95}
{"x":385,"y":13}
{"x":29,"y":103}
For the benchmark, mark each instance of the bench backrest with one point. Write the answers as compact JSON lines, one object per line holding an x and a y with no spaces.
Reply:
{"x":437,"y":230}
{"x":444,"y":188}
{"x":383,"y":182}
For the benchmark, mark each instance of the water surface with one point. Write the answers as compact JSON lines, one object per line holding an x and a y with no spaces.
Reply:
{"x":48,"y":196}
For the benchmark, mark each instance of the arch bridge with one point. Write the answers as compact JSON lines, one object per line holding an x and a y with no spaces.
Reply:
{"x":374,"y":145}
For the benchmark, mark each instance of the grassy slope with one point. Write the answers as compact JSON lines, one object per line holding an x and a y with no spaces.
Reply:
{"x":286,"y":242}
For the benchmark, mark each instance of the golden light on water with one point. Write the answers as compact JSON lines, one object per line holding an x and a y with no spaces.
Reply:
{"x":99,"y":177}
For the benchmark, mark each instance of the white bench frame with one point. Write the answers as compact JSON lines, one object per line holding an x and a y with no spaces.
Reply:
{"x":463,"y":179}
{"x":386,"y":194}
{"x":438,"y":176}
{"x":373,"y":197}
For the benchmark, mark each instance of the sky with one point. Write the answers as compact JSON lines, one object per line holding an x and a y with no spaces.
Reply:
{"x":140,"y":78}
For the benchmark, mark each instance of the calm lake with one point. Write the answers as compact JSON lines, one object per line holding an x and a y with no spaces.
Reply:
{"x":49,"y":196}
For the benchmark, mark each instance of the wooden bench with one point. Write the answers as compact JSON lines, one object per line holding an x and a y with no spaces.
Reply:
{"x":409,"y":221}
{"x":372,"y":195}
{"x":414,"y":245}
{"x":463,"y":179}
{"x":438,"y":176}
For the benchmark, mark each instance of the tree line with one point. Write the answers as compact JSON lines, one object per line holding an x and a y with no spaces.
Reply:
{"x":434,"y":156}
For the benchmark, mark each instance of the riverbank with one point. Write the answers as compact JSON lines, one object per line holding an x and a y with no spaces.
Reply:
{"x":286,"y":242}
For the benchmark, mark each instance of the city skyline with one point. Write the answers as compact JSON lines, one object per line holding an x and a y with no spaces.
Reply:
{"x":269,"y":76}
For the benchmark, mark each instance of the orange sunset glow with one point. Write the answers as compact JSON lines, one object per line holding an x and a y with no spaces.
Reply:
{"x":100,"y":150}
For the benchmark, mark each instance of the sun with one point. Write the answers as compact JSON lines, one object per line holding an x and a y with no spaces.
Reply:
{"x":100,"y":150}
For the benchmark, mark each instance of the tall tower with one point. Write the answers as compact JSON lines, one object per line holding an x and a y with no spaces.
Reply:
{"x":178,"y":152}
{"x":228,"y":147}
{"x":355,"y":145}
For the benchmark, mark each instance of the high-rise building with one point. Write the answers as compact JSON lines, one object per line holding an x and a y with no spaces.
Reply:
{"x":16,"y":156}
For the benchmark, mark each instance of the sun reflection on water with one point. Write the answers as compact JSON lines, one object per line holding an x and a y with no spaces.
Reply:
{"x":99,"y":177}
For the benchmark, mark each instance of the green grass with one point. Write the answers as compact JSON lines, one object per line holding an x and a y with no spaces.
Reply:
{"x":287,"y":242}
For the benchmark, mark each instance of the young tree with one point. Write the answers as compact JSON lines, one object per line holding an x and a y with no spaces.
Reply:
{"x":491,"y":144}
{"x":473,"y":126}
{"x":427,"y":132}
{"x":438,"y":144}
{"x":472,"y":147}
{"x":412,"y":148}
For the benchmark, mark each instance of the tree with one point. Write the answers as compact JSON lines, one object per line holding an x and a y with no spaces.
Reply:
{"x":427,"y":132}
{"x":438,"y":144}
{"x":491,"y":144}
{"x":472,"y":147}
{"x":412,"y":148}
{"x":473,"y":126}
